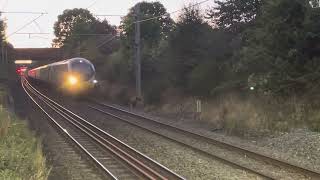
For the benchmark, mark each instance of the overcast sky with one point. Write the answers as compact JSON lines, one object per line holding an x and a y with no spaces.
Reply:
{"x":55,"y":7}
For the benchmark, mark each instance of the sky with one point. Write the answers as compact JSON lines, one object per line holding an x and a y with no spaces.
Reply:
{"x":55,"y":7}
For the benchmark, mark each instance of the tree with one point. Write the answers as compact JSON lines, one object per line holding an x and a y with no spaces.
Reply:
{"x":156,"y":26}
{"x":2,"y":31}
{"x":315,"y":3}
{"x":311,"y":41}
{"x":235,"y":15}
{"x":74,"y":22}
{"x":153,"y":30}
{"x":8,"y":49}
{"x":188,"y":45}
{"x":274,"y":51}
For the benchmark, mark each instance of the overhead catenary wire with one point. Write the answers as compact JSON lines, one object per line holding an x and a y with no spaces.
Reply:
{"x":40,"y":37}
{"x":173,"y":12}
{"x":156,"y":17}
{"x":37,"y":25}
{"x":192,"y":5}
{"x":107,"y":41}
{"x":92,"y":4}
{"x":21,"y":12}
{"x":32,"y":33}
{"x":112,"y":15}
{"x":82,"y":34}
{"x":4,"y":4}
{"x":25,"y":25}
{"x":91,"y":34}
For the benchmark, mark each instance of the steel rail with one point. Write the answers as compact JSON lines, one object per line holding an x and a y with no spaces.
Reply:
{"x":231,"y":163}
{"x":121,"y":151}
{"x":226,"y":145}
{"x":65,"y":116}
{"x":65,"y":133}
{"x":98,"y":139}
{"x":108,"y":145}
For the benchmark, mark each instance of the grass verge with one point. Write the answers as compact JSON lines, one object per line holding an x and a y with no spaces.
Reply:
{"x":21,"y":155}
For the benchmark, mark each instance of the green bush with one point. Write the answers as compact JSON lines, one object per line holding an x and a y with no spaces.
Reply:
{"x":21,"y":156}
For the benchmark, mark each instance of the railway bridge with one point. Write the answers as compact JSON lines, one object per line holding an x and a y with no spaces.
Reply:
{"x":38,"y":54}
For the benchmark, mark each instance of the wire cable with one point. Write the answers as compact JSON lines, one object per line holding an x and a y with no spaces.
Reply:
{"x":5,"y":4}
{"x":21,"y":12}
{"x":31,"y":33}
{"x":148,"y":19}
{"x":192,"y":5}
{"x":173,"y":12}
{"x":40,"y":37}
{"x":107,"y":41}
{"x":92,"y":4}
{"x":112,"y":15}
{"x":27,"y":24}
{"x":38,"y":26}
{"x":83,"y":34}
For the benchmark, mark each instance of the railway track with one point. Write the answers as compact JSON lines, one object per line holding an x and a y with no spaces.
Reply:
{"x":279,"y":167}
{"x":114,"y":158}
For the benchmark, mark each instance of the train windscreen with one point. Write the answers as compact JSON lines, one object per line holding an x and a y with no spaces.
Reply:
{"x":84,"y":68}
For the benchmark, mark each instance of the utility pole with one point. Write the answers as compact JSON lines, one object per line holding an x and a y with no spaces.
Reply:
{"x":2,"y":52}
{"x":6,"y":55}
{"x":138,"y":51}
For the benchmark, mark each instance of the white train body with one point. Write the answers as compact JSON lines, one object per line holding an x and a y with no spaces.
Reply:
{"x":73,"y":75}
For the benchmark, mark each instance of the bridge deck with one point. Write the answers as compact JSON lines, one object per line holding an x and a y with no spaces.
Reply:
{"x":38,"y":54}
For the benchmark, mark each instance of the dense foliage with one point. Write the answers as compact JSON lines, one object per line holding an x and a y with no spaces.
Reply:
{"x":271,"y":45}
{"x":281,"y":51}
{"x":82,"y":34}
{"x":235,"y":15}
{"x":2,"y":30}
{"x":21,"y":156}
{"x":7,"y":53}
{"x":152,"y":31}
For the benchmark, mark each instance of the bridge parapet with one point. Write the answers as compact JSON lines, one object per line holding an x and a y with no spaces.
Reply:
{"x":38,"y":54}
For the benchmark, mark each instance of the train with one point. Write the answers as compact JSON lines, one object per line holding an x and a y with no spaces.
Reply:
{"x":73,"y":76}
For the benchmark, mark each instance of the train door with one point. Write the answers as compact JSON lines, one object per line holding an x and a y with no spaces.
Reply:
{"x":53,"y":76}
{"x":61,"y":71}
{"x":50,"y":78}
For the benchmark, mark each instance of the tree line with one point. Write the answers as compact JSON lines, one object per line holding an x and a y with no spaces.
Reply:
{"x":270,"y":46}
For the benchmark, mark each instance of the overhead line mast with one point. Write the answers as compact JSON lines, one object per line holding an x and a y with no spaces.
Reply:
{"x":138,"y":52}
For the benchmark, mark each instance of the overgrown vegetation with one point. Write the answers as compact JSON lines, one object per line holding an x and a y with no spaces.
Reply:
{"x":270,"y":47}
{"x":5,"y":52}
{"x":80,"y":33}
{"x":21,"y":154}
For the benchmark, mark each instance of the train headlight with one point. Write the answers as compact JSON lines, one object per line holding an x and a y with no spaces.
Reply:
{"x":72,"y":80}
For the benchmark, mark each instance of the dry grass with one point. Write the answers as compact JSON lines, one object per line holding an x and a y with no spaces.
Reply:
{"x":236,"y":115}
{"x":250,"y":116}
{"x":256,"y":116}
{"x":4,"y":123}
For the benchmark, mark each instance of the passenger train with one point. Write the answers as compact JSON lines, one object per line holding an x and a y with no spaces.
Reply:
{"x":75,"y":76}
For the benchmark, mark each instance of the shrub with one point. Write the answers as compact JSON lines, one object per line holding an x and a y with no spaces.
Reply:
{"x":256,"y":115}
{"x":21,"y":154}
